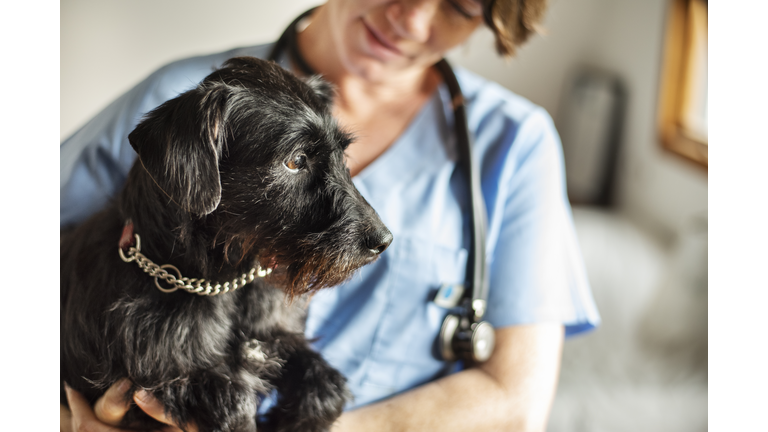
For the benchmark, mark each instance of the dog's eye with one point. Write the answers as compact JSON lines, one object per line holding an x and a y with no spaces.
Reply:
{"x":296,"y":163}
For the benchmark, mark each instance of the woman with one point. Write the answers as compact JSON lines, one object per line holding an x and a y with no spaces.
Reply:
{"x":379,"y":328}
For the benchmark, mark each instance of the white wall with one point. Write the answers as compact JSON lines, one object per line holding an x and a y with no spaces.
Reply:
{"x":107,"y":46}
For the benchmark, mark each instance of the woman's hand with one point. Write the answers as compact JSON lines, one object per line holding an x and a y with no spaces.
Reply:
{"x":110,"y":410}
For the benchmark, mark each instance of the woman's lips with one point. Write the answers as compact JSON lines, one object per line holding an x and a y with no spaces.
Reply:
{"x":379,"y":44}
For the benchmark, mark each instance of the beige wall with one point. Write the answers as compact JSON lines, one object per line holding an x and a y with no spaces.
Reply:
{"x":107,"y":46}
{"x":656,"y":188}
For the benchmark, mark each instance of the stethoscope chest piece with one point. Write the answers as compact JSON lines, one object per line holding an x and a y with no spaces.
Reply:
{"x":461,"y":339}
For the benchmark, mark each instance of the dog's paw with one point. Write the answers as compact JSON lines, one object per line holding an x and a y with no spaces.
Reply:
{"x":312,"y":396}
{"x":327,"y":393}
{"x":260,"y":361}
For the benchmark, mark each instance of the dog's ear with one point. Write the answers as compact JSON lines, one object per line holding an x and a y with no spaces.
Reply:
{"x":179,"y":144}
{"x":324,"y":91}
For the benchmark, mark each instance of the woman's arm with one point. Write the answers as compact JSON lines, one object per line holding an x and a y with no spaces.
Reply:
{"x":512,"y":391}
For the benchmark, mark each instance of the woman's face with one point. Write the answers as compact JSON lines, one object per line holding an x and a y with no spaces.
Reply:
{"x":376,"y":39}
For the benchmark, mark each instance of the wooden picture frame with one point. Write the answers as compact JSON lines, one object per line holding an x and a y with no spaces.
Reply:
{"x":683,"y":92}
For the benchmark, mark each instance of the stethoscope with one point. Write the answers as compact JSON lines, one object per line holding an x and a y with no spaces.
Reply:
{"x":464,"y":335}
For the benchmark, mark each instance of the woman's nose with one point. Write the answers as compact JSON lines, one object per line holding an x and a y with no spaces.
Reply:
{"x":412,"y":19}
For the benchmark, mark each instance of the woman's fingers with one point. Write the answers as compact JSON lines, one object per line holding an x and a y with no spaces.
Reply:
{"x":150,"y":405}
{"x":81,"y":410}
{"x":112,"y":406}
{"x":83,"y":417}
{"x":65,"y":419}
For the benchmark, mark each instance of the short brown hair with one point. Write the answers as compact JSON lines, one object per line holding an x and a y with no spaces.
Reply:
{"x":513,"y":21}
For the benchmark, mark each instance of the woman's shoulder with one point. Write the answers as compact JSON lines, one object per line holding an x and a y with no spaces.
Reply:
{"x":503,"y":121}
{"x":181,"y":75}
{"x":487,"y":97}
{"x":207,"y":61}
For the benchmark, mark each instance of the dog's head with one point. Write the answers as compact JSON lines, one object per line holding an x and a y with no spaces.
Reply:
{"x":254,"y":152}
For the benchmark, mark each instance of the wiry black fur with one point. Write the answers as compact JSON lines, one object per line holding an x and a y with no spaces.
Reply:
{"x":210,"y":194}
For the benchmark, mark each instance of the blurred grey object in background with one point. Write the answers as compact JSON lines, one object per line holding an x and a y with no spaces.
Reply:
{"x":590,"y":122}
{"x":645,"y":367}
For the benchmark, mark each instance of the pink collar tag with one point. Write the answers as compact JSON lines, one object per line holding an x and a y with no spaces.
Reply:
{"x":127,"y":239}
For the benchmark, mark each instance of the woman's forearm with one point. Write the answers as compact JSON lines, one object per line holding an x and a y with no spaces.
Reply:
{"x":513,"y":391}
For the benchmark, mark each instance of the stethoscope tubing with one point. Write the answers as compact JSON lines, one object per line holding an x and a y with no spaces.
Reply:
{"x":477,"y":266}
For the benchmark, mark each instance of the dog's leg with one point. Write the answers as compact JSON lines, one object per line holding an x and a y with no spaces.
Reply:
{"x":213,"y":400}
{"x":312,"y":393}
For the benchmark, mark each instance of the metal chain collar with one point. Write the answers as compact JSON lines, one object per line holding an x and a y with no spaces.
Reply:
{"x":196,"y":286}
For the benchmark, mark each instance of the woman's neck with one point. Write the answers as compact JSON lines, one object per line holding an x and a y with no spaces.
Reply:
{"x":376,"y":111}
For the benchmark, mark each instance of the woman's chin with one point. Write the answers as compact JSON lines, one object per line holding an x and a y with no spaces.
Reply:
{"x":376,"y":71}
{"x":368,"y":69}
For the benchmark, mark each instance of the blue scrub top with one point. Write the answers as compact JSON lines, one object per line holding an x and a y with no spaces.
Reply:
{"x":379,"y":329}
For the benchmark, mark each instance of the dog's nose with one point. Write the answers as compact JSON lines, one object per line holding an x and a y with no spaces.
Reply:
{"x":378,"y":241}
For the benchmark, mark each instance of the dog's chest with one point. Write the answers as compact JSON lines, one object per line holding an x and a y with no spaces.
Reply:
{"x":195,"y":330}
{"x":204,"y":328}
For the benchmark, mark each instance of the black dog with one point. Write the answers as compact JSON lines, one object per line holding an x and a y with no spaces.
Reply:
{"x":238,"y":177}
